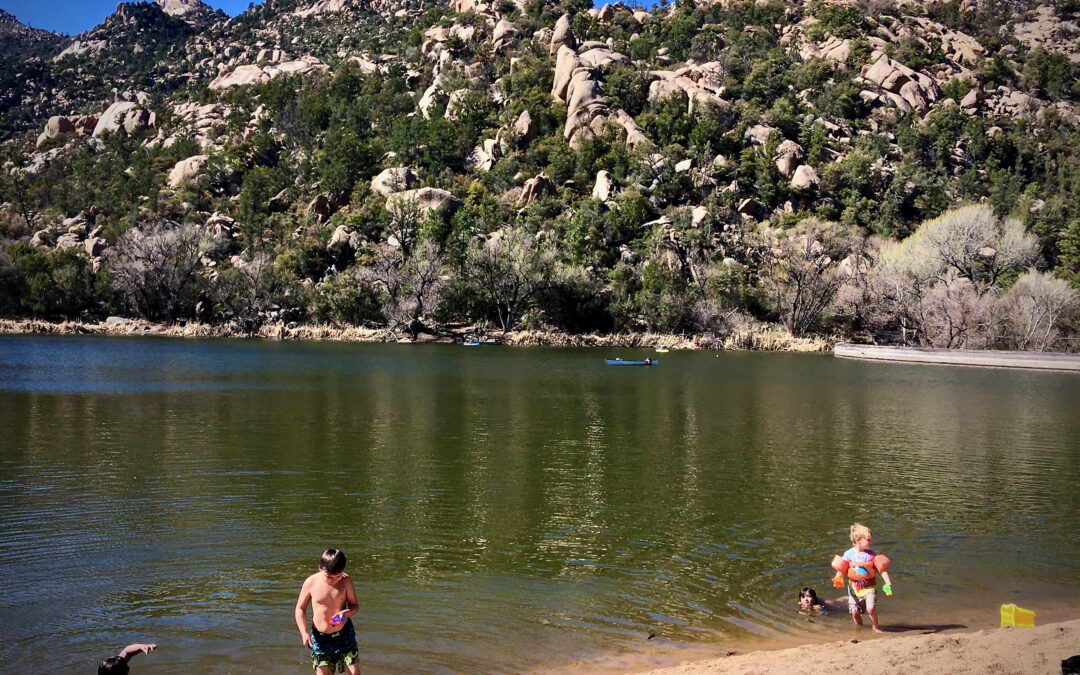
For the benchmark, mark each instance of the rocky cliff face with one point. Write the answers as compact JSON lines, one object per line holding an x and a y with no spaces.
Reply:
{"x":700,"y":119}
{"x":19,"y":41}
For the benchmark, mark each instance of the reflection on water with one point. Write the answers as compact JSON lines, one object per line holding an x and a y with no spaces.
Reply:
{"x":507,"y":509}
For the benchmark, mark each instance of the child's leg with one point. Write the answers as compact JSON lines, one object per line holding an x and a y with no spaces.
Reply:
{"x":352,"y":669}
{"x":871,"y":609}
{"x":324,"y":670}
{"x":853,"y":609}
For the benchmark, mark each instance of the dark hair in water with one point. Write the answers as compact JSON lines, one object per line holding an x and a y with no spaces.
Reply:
{"x":114,"y":665}
{"x":333,"y":561}
{"x":807,"y":591}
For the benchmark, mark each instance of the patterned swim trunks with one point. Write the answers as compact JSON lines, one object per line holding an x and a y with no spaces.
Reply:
{"x":334,"y":650}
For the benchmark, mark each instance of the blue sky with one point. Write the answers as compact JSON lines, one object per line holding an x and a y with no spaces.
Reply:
{"x":76,"y":16}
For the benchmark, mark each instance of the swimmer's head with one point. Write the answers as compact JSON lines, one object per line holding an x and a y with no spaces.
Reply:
{"x":808,"y":598}
{"x":332,"y":561}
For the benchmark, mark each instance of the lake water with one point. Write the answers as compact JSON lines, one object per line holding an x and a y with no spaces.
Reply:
{"x":510,"y":509}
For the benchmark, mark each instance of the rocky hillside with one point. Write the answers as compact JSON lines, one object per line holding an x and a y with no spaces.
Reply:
{"x":888,"y":171}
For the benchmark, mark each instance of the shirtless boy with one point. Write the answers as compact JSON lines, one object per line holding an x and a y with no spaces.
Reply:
{"x":333,"y":600}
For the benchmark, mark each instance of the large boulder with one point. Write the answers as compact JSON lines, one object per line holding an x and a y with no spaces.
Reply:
{"x":503,"y":35}
{"x":758,"y":134}
{"x":604,"y":186}
{"x":393,"y":180}
{"x":425,"y":199}
{"x":432,"y":94}
{"x":301,"y":66}
{"x":909,"y":90}
{"x":126,"y":115}
{"x":344,"y":239}
{"x":524,"y":128}
{"x":565,"y":64}
{"x":239,"y":77}
{"x":563,"y":36}
{"x":535,"y":188}
{"x":789,"y":156}
{"x":635,"y":135}
{"x":804,"y":178}
{"x":484,"y":156}
{"x":597,"y":56}
{"x":186,"y":170}
{"x":320,"y":209}
{"x":56,"y":127}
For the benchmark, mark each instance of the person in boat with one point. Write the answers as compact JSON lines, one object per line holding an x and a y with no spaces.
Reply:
{"x":861,"y":567}
{"x":810,"y":602}
{"x":118,"y":665}
{"x":332,"y":597}
{"x":648,"y":361}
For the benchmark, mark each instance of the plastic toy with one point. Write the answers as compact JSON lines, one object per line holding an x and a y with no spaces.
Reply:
{"x":1016,"y":617}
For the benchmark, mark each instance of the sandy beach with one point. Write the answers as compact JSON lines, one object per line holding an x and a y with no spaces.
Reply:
{"x":1038,"y":650}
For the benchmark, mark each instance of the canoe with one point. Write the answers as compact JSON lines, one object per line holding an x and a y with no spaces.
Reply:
{"x":481,"y":343}
{"x":622,"y":362}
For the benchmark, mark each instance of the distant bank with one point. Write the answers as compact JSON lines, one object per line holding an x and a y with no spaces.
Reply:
{"x":960,"y":357}
{"x":755,"y":337}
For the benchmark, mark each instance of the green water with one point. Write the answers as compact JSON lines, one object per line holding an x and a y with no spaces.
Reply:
{"x":509,"y":509}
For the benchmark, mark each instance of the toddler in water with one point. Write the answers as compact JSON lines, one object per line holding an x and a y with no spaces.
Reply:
{"x":861,"y":566}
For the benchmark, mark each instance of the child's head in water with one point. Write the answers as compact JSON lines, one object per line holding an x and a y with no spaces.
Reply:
{"x":808,"y":599}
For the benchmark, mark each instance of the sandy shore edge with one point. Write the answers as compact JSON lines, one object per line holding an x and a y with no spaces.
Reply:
{"x":763,"y":337}
{"x":996,"y":650}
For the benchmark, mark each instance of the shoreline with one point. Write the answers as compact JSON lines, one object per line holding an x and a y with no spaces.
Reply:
{"x":978,"y":358}
{"x":761,"y":337}
{"x":999,"y":650}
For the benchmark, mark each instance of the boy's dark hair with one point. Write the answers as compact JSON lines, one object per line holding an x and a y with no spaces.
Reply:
{"x":114,"y":665}
{"x":333,"y":561}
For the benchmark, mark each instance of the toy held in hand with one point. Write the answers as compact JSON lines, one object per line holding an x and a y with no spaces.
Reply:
{"x":337,"y":618}
{"x":838,"y":581}
{"x":888,"y":589}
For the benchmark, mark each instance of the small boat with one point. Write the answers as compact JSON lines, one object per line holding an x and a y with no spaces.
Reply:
{"x":662,"y":350}
{"x":481,"y":343}
{"x":642,"y":362}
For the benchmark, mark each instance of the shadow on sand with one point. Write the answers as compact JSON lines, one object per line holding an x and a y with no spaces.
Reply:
{"x":925,"y":629}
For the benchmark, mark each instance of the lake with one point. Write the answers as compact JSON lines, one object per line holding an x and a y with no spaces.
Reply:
{"x":510,"y":509}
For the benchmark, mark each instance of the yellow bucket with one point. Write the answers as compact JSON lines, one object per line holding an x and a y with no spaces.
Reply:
{"x":1016,"y":617}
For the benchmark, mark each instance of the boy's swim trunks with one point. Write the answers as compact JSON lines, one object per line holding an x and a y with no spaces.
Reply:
{"x":335,"y":650}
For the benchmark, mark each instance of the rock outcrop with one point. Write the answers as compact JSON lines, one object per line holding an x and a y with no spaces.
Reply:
{"x":534,"y":189}
{"x":127,"y":116}
{"x":424,"y":200}
{"x":186,"y":170}
{"x":909,"y":90}
{"x":397,"y":179}
{"x":251,"y":74}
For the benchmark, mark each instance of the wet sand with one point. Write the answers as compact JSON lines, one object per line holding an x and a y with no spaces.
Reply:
{"x":995,"y":650}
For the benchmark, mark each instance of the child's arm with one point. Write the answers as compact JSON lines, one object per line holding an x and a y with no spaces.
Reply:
{"x":137,"y":648}
{"x":351,"y":604}
{"x":300,"y":613}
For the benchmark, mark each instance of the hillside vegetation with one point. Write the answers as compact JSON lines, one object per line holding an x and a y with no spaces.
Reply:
{"x":902,"y":173}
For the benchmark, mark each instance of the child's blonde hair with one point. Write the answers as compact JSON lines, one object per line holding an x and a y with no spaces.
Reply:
{"x":860,"y":532}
